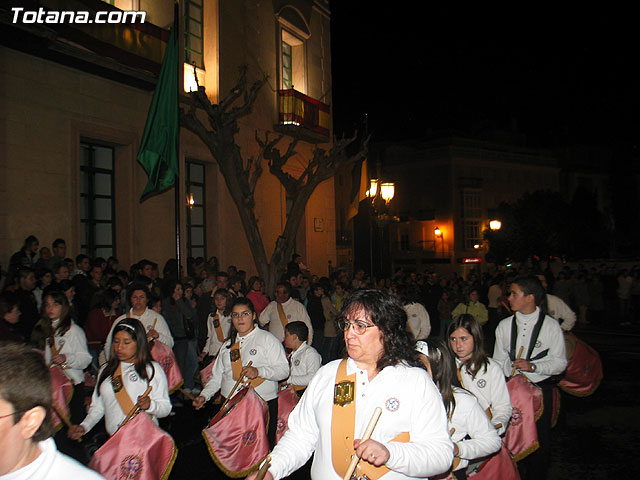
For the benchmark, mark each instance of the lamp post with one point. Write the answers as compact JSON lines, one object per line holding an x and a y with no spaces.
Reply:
{"x":438,"y":233}
{"x":386,"y":192}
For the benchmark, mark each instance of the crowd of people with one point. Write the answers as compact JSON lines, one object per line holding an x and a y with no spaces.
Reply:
{"x":98,"y":321}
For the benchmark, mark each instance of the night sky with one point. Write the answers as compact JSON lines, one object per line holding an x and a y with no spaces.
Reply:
{"x":560,"y":75}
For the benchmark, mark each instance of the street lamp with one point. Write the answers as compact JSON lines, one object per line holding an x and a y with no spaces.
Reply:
{"x":387,"y":191}
{"x":495,"y":225}
{"x":373,"y":188}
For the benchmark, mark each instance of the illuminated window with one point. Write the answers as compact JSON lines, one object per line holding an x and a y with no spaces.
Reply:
{"x":193,"y":42}
{"x":293,"y":62}
{"x":97,"y":212}
{"x":196,"y":218}
{"x":287,"y":74}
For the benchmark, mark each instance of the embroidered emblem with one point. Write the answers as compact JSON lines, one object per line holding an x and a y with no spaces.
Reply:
{"x":538,"y":344}
{"x":116,"y":383}
{"x":133,"y":377}
{"x":392,"y":404}
{"x":216,"y":323}
{"x":249,"y":438}
{"x":131,"y":467}
{"x":61,"y":342}
{"x":482,"y":383}
{"x":516,"y":417}
{"x":343,"y":393}
{"x":296,"y":363}
{"x":235,"y":354}
{"x":166,"y":364}
{"x":281,"y":425}
{"x":253,"y":351}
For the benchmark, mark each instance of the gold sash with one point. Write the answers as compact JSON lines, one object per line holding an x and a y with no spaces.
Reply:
{"x":343,"y":426}
{"x":218,"y":328}
{"x":123,"y":398}
{"x":236,"y":365}
{"x":281,"y":314}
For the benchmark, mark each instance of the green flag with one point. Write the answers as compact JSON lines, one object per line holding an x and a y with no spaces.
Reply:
{"x":158,"y":152}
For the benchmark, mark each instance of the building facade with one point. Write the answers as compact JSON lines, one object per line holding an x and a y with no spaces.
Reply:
{"x":74,"y":104}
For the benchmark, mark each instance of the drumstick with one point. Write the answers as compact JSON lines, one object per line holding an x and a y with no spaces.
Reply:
{"x":519,"y":355}
{"x":135,"y":408}
{"x":153,"y":327}
{"x":57,"y":409}
{"x":187,"y":394}
{"x":234,"y":388}
{"x":263,"y":469}
{"x":367,"y":433}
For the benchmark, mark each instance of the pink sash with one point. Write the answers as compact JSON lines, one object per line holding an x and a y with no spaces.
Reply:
{"x":522,"y":435}
{"x":584,"y":369}
{"x":237,"y":436}
{"x":61,"y":391}
{"x":287,"y":400}
{"x":162,"y":354}
{"x":139,"y":450}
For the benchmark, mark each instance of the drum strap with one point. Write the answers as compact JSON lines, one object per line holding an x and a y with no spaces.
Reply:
{"x":283,"y":317}
{"x":236,"y":365}
{"x":532,"y":341}
{"x":343,"y":426}
{"x":218,"y":327}
{"x":123,"y":398}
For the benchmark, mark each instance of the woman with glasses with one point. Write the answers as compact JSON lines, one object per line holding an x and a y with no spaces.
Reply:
{"x":381,"y":370}
{"x":247,"y":343}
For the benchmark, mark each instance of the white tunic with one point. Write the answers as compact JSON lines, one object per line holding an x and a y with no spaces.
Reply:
{"x":267,"y":355}
{"x":551,"y":337}
{"x":305,"y":362}
{"x":469,"y":419}
{"x":73,"y":345}
{"x":561,"y":312}
{"x":52,"y":465}
{"x":293,"y":310}
{"x":106,"y":405}
{"x":212,"y":345}
{"x":410,"y":403}
{"x":490,"y":388}
{"x":148,"y":318}
{"x":418,"y":320}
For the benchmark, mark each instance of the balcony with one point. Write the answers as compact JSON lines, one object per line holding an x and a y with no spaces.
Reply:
{"x":302,"y":116}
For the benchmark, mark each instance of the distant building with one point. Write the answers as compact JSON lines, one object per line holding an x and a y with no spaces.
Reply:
{"x":75,"y":100}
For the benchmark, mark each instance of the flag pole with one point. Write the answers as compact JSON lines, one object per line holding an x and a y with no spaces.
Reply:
{"x":177,"y":12}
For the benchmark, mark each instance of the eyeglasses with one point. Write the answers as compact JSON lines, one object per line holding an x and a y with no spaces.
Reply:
{"x":14,"y":413}
{"x":359,"y":326}
{"x":241,"y":314}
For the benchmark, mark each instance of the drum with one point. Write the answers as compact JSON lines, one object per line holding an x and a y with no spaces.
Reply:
{"x":139,"y":449}
{"x":236,"y":436}
{"x":521,"y":438}
{"x":584,"y":368}
{"x":287,"y":400}
{"x":162,"y":354}
{"x":61,"y":392}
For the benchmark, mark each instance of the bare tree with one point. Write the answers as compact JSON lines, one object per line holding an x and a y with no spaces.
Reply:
{"x":241,"y":175}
